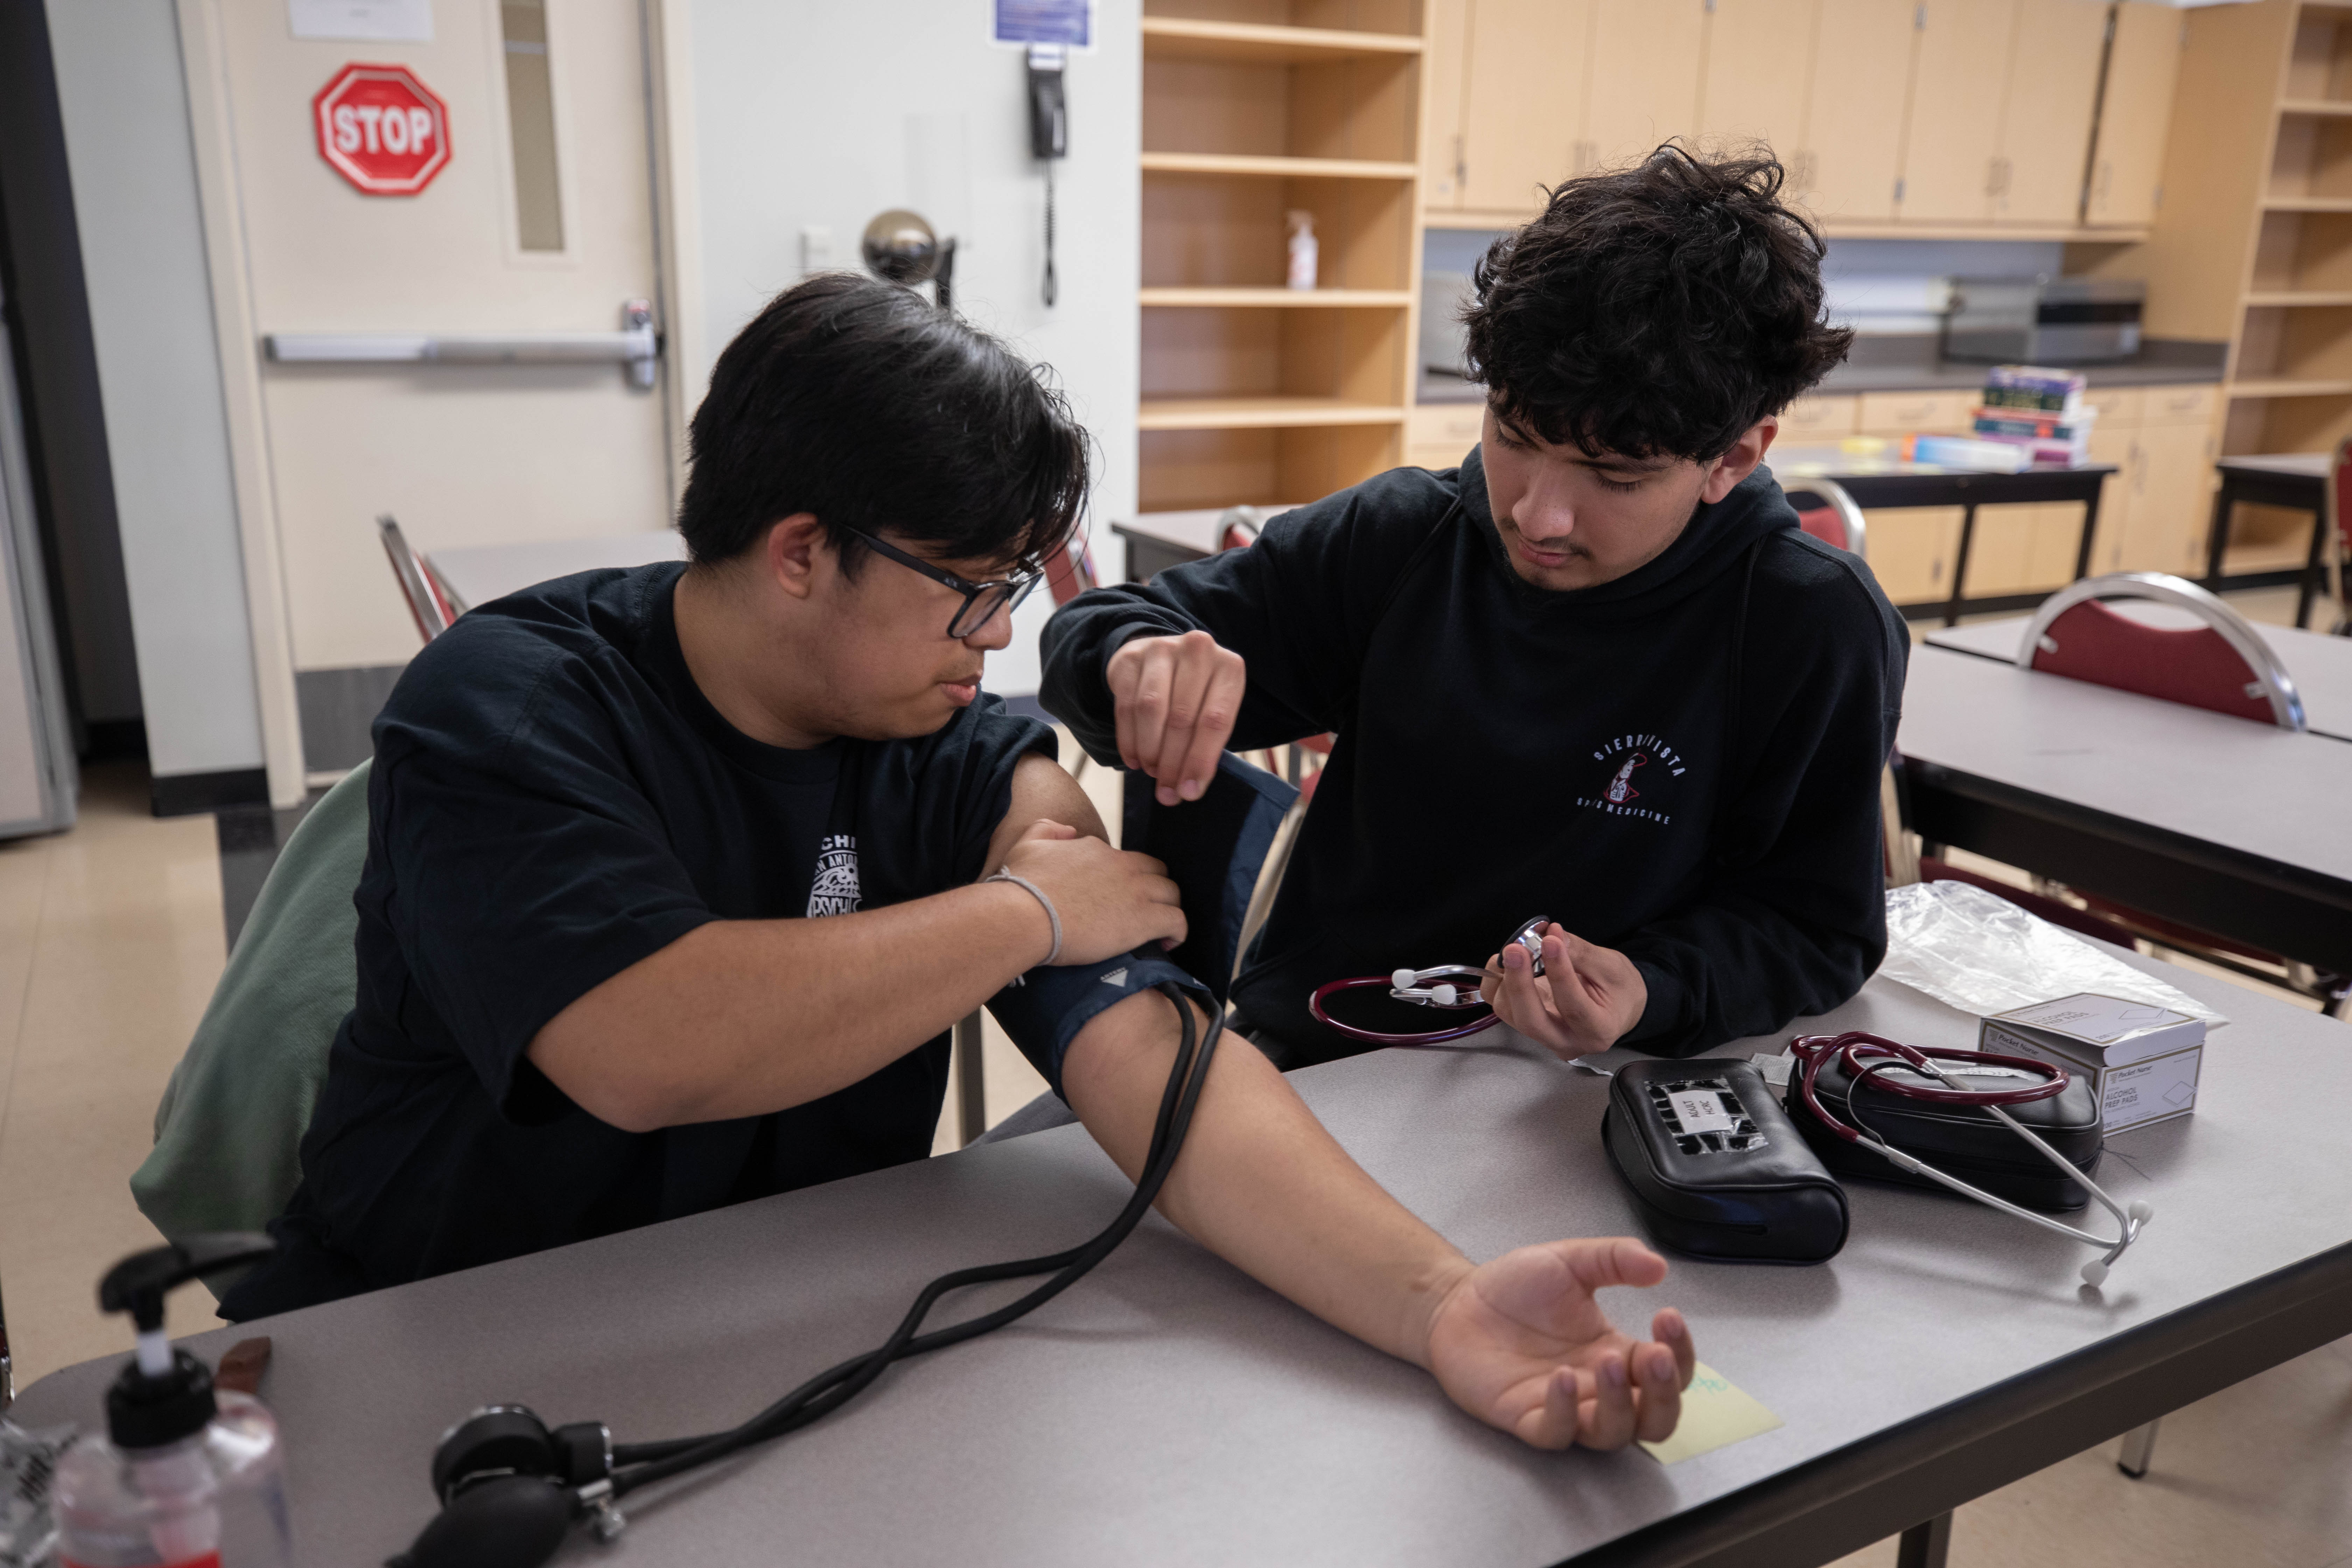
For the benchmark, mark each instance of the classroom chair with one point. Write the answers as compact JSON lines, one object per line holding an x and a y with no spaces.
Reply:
{"x":230,"y":1125}
{"x":2223,"y":666}
{"x":1826,"y":510}
{"x":428,"y":601}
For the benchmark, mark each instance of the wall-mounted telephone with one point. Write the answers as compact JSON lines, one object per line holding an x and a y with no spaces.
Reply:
{"x":1049,"y":132}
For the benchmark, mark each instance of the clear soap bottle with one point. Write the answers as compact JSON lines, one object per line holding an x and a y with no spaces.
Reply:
{"x":184,"y":1477}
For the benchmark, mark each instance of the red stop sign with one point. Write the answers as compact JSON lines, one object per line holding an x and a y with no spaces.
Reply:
{"x":381,"y":129}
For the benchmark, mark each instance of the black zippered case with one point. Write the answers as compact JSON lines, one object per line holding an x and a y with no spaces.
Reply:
{"x":1715,"y":1166}
{"x":1965,"y":1141}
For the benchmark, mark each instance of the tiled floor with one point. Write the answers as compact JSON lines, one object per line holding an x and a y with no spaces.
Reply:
{"x":109,"y":944}
{"x":111,"y":939}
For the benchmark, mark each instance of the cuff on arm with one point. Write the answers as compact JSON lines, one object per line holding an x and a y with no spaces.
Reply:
{"x":1045,"y":1009}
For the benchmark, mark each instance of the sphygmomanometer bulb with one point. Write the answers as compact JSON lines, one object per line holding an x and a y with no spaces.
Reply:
{"x":509,"y":1521}
{"x":1444,"y":995}
{"x":2141,"y":1211}
{"x":1403,"y":979}
{"x":2095,"y":1273}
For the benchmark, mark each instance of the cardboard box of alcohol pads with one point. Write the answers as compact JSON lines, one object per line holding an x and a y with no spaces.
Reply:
{"x":2142,"y":1060}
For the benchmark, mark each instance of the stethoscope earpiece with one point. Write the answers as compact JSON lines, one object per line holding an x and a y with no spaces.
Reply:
{"x":1431,"y":988}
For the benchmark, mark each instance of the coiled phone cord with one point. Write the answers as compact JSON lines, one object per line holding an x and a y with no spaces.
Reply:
{"x":641,"y":1464}
{"x":1052,"y":289}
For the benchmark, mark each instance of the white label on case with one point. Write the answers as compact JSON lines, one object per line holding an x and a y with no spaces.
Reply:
{"x":1701,"y":1111}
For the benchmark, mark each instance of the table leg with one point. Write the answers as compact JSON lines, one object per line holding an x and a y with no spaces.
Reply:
{"x":972,"y":1088}
{"x":2312,"y":569}
{"x":2090,"y":532}
{"x":2139,"y":1448}
{"x":2217,"y":539}
{"x":1925,"y":1545}
{"x":1961,"y":565}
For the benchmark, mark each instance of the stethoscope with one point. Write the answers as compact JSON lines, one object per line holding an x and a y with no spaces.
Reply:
{"x":1863,"y":1054}
{"x":1436,"y":987}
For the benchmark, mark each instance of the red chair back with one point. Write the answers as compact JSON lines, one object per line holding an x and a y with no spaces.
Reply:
{"x":1070,"y":571}
{"x":1823,"y":522}
{"x":2195,"y":666}
{"x":2339,"y":476}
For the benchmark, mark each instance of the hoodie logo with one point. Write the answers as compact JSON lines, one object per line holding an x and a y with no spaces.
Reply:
{"x":1624,"y":755}
{"x":836,"y":890}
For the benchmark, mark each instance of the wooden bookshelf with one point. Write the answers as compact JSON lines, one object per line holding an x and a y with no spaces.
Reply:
{"x":1255,"y":392}
{"x":2253,"y":244}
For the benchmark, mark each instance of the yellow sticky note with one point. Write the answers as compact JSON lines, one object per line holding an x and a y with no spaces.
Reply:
{"x":1716,"y":1414}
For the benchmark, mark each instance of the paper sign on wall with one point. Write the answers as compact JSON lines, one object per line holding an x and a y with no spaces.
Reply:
{"x":1065,"y":22}
{"x":381,"y":21}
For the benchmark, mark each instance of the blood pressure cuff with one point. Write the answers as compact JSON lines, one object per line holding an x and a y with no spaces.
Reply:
{"x":1214,"y":847}
{"x":1715,"y":1166}
{"x":1965,"y":1141}
{"x":1045,"y":1009}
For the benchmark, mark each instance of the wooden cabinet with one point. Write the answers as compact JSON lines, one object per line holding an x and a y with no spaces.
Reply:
{"x":2135,"y":114}
{"x":1758,"y":74}
{"x":1448,"y":65}
{"x":1811,"y":419}
{"x":2046,"y":113}
{"x":1909,"y":413}
{"x":1859,"y":92}
{"x":2153,"y":511}
{"x":2001,"y":102}
{"x":1911,"y":552}
{"x":2172,"y":502}
{"x":1523,"y":109}
{"x":2115,"y":442}
{"x":1436,"y":434}
{"x":1953,"y":136}
{"x":1642,"y":86}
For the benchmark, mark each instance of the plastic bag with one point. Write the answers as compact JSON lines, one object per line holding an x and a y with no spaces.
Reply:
{"x":1979,"y":952}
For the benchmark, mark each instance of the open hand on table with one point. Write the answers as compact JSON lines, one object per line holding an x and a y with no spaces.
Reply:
{"x":1520,"y":1343}
{"x":1586,"y":1000}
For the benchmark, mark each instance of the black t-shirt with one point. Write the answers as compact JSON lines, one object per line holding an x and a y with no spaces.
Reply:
{"x":552,"y":800}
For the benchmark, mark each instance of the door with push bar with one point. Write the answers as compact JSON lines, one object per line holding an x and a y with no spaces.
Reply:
{"x":476,"y":348}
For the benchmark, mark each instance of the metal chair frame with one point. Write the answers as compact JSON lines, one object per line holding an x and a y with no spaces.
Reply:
{"x":2160,"y":587}
{"x":1857,"y":527}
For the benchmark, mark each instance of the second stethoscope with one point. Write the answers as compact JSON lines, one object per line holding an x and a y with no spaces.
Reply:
{"x":1451,"y":987}
{"x":1898,"y":1069}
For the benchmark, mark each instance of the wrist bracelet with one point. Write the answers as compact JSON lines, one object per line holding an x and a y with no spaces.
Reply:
{"x":1004,"y":874}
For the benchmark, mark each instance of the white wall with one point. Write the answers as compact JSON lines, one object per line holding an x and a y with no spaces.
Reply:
{"x":125,"y":108}
{"x":821,"y":115}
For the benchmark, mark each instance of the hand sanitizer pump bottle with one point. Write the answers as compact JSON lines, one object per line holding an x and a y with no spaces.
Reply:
{"x":1302,"y":249}
{"x":183,"y":1477}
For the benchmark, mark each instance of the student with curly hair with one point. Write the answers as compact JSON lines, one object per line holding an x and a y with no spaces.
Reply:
{"x":1597,"y":671}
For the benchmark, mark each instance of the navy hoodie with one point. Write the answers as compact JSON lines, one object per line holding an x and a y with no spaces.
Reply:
{"x":1682,"y":764}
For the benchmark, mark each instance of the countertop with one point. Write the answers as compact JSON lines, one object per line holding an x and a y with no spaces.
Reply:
{"x":1911,"y":364}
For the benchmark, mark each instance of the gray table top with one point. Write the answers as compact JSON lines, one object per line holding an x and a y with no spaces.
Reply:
{"x":1168,"y":1410}
{"x":2300,"y":465}
{"x":2243,"y":786}
{"x":2321,"y":666}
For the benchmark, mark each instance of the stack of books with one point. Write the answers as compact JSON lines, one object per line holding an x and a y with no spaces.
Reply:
{"x":2029,"y":415}
{"x":2039,"y":410}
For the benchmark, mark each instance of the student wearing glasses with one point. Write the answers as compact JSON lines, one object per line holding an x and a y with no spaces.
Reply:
{"x":677,"y":877}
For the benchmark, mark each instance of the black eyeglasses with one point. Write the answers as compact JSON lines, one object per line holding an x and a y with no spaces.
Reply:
{"x":981,"y":600}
